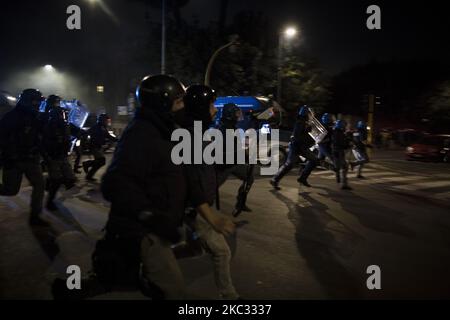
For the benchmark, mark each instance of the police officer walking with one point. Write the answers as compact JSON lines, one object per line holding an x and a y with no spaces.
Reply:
{"x":325,"y":144}
{"x":203,"y":188}
{"x":57,"y":145}
{"x":99,"y":135}
{"x":146,"y":190}
{"x":339,"y":144}
{"x":20,"y":145}
{"x":299,"y":145}
{"x":359,"y":148}
{"x":231,"y":114}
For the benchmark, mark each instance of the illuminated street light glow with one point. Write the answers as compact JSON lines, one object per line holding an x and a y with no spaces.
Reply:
{"x":100,"y":89}
{"x":290,"y":32}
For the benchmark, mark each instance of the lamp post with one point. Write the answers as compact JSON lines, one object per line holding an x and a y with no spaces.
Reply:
{"x":233,"y":41}
{"x":287,"y":34}
{"x":163,"y":38}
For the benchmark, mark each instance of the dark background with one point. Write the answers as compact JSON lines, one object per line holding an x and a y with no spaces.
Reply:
{"x":405,"y":63}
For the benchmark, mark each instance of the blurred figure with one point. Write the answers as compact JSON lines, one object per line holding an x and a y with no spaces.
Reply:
{"x":20,"y":142}
{"x":339,"y":144}
{"x":80,"y":140}
{"x":231,"y":114}
{"x":359,"y":148}
{"x":325,"y":144}
{"x":299,"y":145}
{"x":57,"y":144}
{"x":202,"y":183}
{"x":98,"y":137}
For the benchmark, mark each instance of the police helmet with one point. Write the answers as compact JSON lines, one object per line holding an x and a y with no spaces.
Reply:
{"x":229,"y":112}
{"x":197,"y":101}
{"x":361,"y":125}
{"x":326,"y":119}
{"x":102,"y":119}
{"x":52,"y":101}
{"x":303,"y":111}
{"x":340,"y":125}
{"x":158,"y":92}
{"x":30,"y":98}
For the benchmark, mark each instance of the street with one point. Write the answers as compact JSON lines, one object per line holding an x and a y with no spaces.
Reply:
{"x":298,"y":243}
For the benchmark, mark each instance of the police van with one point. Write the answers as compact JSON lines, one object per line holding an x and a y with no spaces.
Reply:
{"x":260,"y":113}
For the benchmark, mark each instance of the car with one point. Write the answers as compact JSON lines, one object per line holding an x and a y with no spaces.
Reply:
{"x":434,"y":147}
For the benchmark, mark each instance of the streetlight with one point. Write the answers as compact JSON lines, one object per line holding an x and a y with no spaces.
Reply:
{"x":287,"y":34}
{"x":233,"y":41}
{"x":48,"y":67}
{"x":163,"y":37}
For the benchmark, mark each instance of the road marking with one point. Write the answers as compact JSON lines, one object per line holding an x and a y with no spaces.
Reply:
{"x":423,"y":185}
{"x":374,"y":174}
{"x":400,"y":179}
{"x":442,"y":195}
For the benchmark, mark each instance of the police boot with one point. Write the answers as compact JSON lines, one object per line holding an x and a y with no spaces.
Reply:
{"x":86,"y":166}
{"x":303,"y":181}
{"x":275,"y":184}
{"x":36,"y":220}
{"x":352,"y":166}
{"x":54,"y":186}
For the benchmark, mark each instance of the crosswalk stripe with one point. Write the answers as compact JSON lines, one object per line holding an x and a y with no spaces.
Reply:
{"x":324,"y":172}
{"x":400,"y":179}
{"x":442,"y":195}
{"x":377,"y":174}
{"x":423,"y":185}
{"x":374,"y":174}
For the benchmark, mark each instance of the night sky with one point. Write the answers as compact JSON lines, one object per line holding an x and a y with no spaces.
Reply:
{"x":34,"y":33}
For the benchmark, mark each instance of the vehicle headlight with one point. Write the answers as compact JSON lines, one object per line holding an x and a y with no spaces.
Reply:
{"x":410,"y":149}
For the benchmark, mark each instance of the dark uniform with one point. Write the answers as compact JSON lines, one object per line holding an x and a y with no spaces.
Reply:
{"x":359,"y":148}
{"x":325,"y":144}
{"x":148,"y":195}
{"x":20,"y":145}
{"x":99,"y":136}
{"x":299,"y":145}
{"x":57,"y":145}
{"x":339,"y":144}
{"x":243,"y":172}
{"x":79,"y":138}
{"x":203,"y":185}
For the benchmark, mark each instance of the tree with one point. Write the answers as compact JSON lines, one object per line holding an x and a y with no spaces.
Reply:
{"x":437,"y":107}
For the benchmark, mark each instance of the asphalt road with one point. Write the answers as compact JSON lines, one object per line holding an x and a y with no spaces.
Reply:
{"x":298,"y":243}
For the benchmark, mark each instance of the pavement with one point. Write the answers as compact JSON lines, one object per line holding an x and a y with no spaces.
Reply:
{"x":297,"y":243}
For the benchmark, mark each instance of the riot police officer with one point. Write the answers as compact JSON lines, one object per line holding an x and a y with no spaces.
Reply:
{"x":203,"y":191}
{"x":325,"y":144}
{"x":231,"y":114}
{"x":146,"y":190}
{"x":99,"y":135}
{"x":299,"y":145}
{"x":20,"y":142}
{"x":57,"y":145}
{"x":339,"y":144}
{"x":359,"y":148}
